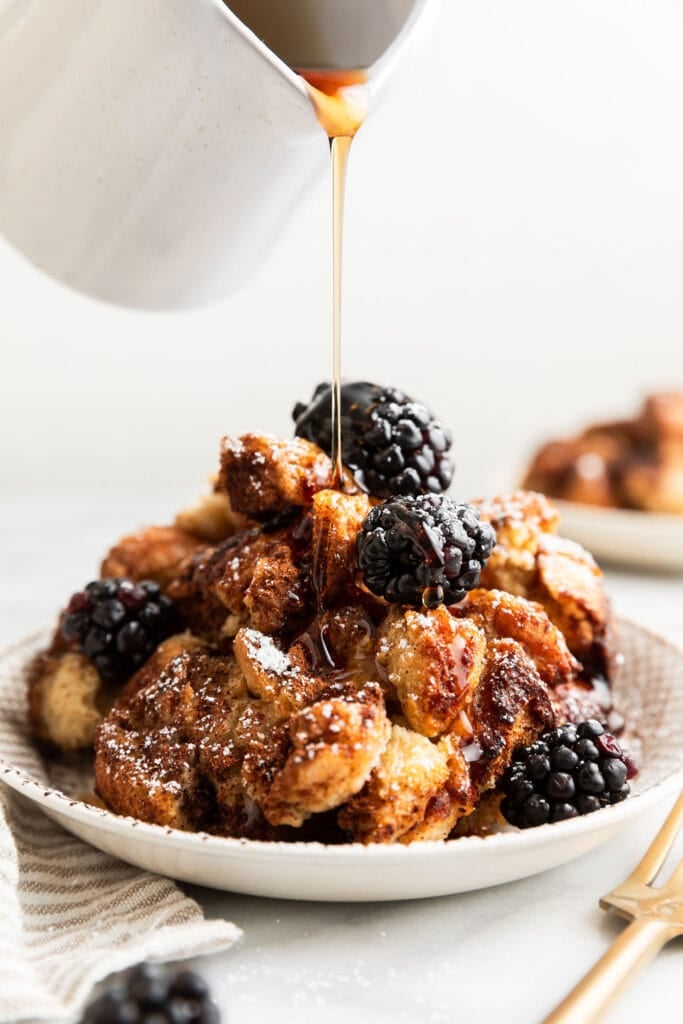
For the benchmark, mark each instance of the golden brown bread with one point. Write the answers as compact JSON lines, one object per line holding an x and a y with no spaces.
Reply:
{"x":275,"y":676}
{"x":571,"y":590}
{"x":520,"y":519}
{"x":503,"y":615}
{"x":510,"y":707}
{"x":67,"y":699}
{"x":211,"y":519}
{"x":253,"y":576}
{"x":336,"y":519}
{"x":263,"y":475}
{"x":433,"y":661}
{"x":411,"y":771}
{"x":422,"y":788}
{"x":655,"y":484}
{"x":332,"y":746}
{"x":150,"y":750}
{"x":153,"y":553}
{"x":531,"y":561}
{"x":188,"y":745}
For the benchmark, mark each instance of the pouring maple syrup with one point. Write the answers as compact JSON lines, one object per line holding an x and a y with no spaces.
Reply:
{"x":340,"y":101}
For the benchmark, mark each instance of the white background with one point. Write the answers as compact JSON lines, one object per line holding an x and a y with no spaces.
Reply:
{"x":514,"y":257}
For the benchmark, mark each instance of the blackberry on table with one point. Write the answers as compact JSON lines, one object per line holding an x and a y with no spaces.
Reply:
{"x":153,"y":994}
{"x":423,"y":551}
{"x":392,"y":444}
{"x":117,"y":623}
{"x":572,"y":770}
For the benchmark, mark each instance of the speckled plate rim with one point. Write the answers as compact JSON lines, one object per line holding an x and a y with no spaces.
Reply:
{"x":349,"y":853}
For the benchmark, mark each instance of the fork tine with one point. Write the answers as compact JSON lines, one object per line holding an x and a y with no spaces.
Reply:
{"x":650,"y":865}
{"x":676,"y":879}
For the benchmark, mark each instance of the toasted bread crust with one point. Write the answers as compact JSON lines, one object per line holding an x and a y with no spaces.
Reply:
{"x":510,"y":708}
{"x":434,"y":662}
{"x":411,"y":772}
{"x":153,"y":553}
{"x":502,"y":615}
{"x":67,"y":699}
{"x":263,"y":475}
{"x":531,"y":561}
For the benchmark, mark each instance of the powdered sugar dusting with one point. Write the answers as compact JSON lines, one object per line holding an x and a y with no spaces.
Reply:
{"x":263,"y":650}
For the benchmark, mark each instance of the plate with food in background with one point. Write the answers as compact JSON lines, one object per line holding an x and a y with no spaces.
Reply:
{"x":619,"y":485}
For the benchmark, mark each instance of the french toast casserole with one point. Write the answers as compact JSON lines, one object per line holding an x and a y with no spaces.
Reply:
{"x":632,"y":463}
{"x":370,"y":662}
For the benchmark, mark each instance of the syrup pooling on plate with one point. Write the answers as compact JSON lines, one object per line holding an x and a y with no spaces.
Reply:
{"x":340,"y":101}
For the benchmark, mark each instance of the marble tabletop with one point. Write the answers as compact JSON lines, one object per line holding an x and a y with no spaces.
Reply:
{"x":505,"y":954}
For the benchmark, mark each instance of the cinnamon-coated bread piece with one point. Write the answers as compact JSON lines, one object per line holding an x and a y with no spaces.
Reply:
{"x":570,"y":588}
{"x":331,"y":748}
{"x":265,"y":475}
{"x":511,"y":707}
{"x":195,"y":742}
{"x":252,"y":578}
{"x":504,"y":616}
{"x":148,"y":750}
{"x":531,"y":561}
{"x":153,"y":553}
{"x":655,"y":484}
{"x":276,"y":676}
{"x":412,"y":771}
{"x":520,"y":519}
{"x":433,"y":661}
{"x":580,"y":470}
{"x":336,"y":520}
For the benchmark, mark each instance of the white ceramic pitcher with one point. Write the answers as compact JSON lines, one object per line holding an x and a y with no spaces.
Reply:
{"x":150,"y":150}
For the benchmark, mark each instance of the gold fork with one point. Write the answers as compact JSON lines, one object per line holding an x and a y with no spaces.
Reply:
{"x":656,"y":916}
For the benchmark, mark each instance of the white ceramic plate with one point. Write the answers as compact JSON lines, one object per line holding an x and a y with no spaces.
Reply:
{"x":645,"y":540}
{"x":649,"y":692}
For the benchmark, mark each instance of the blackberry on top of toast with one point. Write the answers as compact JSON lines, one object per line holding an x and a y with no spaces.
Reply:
{"x":392,"y":444}
{"x":423,"y":551}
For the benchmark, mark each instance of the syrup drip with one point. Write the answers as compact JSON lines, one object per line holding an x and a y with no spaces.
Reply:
{"x":318,"y":649}
{"x":340,"y":101}
{"x":324,"y":658}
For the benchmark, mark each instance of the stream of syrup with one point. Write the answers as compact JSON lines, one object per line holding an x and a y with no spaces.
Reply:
{"x":340,"y":101}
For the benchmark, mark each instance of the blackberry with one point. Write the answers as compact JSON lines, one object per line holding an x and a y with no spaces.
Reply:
{"x":573,"y":770}
{"x":153,"y":994}
{"x":423,"y":551}
{"x":117,"y":623}
{"x":392,"y":444}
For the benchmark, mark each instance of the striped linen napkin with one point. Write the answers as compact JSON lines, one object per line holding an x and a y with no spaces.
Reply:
{"x":69,"y":915}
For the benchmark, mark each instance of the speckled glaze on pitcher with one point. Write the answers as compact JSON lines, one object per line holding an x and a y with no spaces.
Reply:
{"x":149,"y":153}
